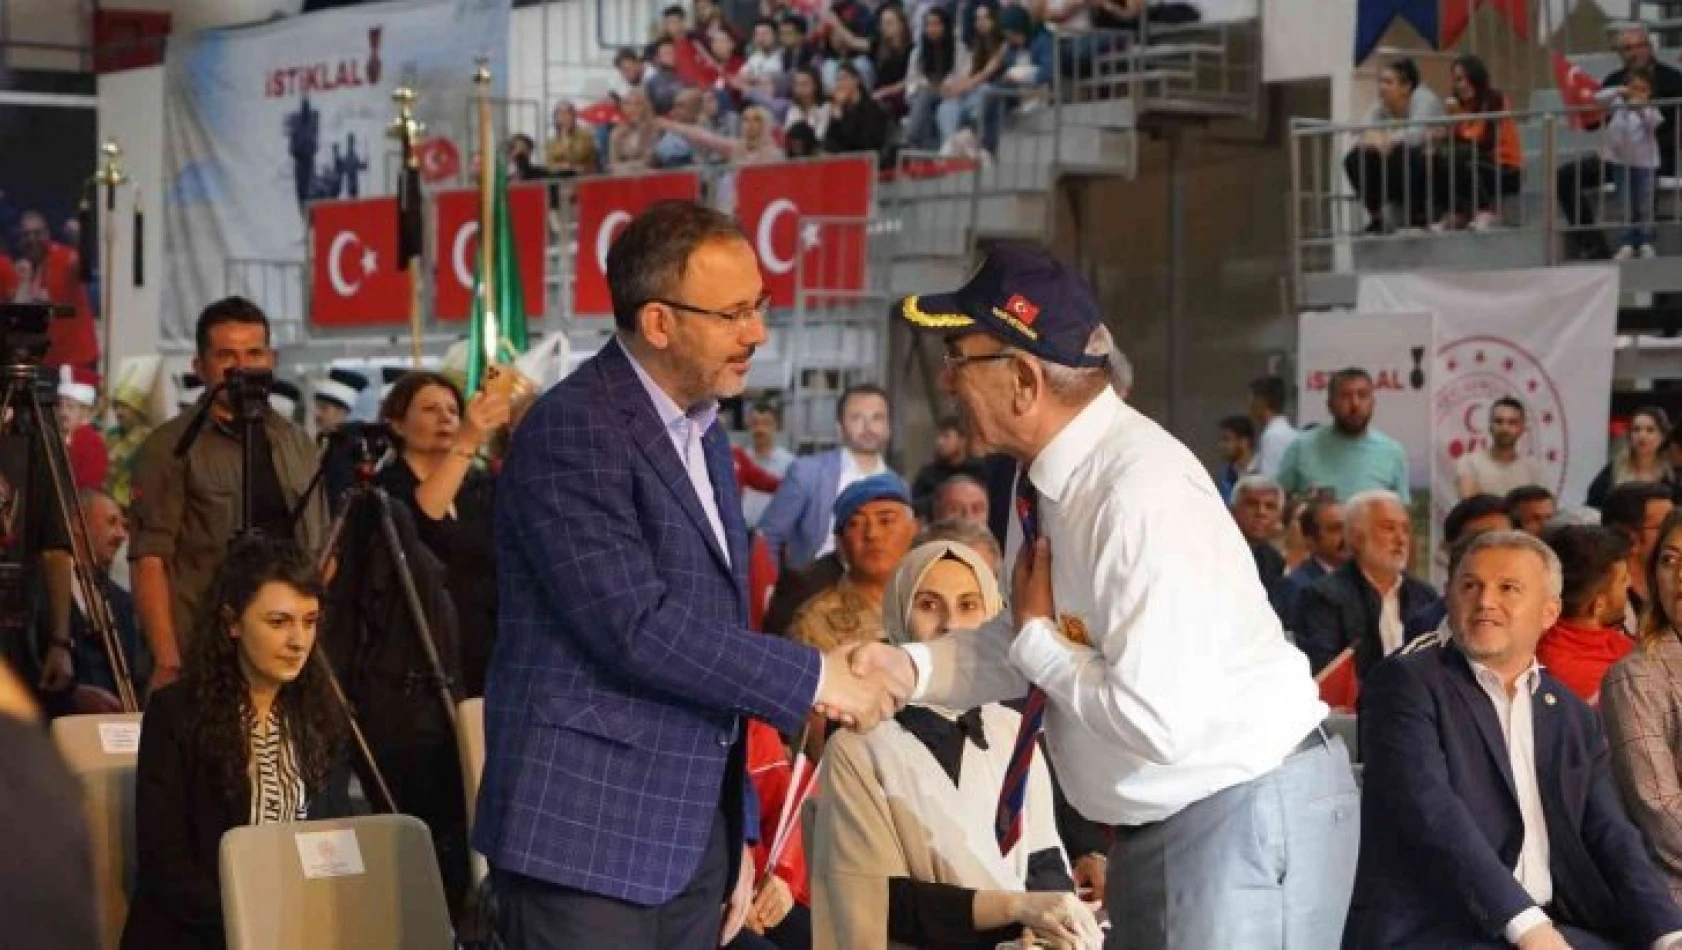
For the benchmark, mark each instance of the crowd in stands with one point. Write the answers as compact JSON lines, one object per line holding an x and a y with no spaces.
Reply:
{"x":1454,"y":162}
{"x":831,"y":77}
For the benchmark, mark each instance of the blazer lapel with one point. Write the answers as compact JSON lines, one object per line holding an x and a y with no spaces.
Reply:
{"x":721,"y":466}
{"x":649,"y":434}
{"x":1477,"y":704}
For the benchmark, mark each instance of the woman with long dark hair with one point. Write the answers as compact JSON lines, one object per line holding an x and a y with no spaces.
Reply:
{"x":250,"y":735}
{"x":1484,"y":158}
{"x":934,"y":59}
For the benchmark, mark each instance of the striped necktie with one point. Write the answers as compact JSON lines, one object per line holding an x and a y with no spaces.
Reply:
{"x":1007,"y":820}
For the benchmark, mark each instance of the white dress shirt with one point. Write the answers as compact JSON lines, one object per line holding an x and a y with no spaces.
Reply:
{"x":1390,"y":628}
{"x":1276,"y":437}
{"x":1188,"y":686}
{"x":850,"y":473}
{"x":1519,"y":730}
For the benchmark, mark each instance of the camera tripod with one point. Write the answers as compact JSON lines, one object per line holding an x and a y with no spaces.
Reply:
{"x":247,"y":392}
{"x":24,"y":411}
{"x":364,"y":490}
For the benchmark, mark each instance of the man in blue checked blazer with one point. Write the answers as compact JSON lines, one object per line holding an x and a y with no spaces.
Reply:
{"x":614,"y":807}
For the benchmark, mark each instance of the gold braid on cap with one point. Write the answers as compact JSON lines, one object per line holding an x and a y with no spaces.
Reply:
{"x":936,"y":321}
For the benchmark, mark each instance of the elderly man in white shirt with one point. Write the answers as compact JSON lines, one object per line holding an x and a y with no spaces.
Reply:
{"x":1174,"y":708}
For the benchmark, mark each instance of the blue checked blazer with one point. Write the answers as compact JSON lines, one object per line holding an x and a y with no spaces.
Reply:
{"x":623,"y":662}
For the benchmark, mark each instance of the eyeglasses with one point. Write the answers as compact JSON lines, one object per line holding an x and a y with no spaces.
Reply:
{"x":759,"y":309}
{"x":955,"y":360}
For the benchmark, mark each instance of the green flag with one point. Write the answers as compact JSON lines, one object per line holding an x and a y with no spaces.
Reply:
{"x":508,"y":304}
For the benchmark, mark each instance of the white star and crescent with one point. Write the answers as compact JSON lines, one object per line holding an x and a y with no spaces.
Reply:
{"x":335,"y":269}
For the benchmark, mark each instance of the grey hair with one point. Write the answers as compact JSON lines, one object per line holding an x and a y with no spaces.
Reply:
{"x":1512,"y":540}
{"x":1251,"y":483}
{"x":1074,"y":381}
{"x":962,"y":532}
{"x":1359,"y":506}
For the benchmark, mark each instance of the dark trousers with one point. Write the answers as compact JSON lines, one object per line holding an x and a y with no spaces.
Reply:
{"x":537,"y":915}
{"x":1576,"y":185}
{"x":1465,"y":180}
{"x":1396,"y":176}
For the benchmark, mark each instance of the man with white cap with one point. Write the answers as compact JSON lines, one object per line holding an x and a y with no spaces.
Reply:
{"x":1173,"y":706}
{"x":130,"y":399}
{"x":336,"y":397}
{"x":78,"y":393}
{"x":283,"y":399}
{"x":189,"y":389}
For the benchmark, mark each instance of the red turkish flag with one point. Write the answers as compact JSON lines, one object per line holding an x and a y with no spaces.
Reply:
{"x":1577,"y":88}
{"x":605,"y":112}
{"x":438,"y":158}
{"x":808,"y":218}
{"x":1457,"y":15}
{"x":353,"y":250}
{"x":456,"y":252}
{"x":605,"y":206}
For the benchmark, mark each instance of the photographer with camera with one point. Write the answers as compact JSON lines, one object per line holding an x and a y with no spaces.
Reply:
{"x":438,"y":438}
{"x":188,"y":506}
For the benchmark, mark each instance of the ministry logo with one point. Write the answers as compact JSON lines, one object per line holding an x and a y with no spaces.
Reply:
{"x":1475,"y":371}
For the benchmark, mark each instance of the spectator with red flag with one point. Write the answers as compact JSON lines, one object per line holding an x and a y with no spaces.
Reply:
{"x":49,"y":272}
{"x":1578,"y":180}
{"x":78,"y":393}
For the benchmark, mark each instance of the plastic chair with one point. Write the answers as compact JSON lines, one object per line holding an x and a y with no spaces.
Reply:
{"x":101,"y":752}
{"x":372,"y":886}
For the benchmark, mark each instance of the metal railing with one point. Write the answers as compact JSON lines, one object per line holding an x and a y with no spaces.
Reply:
{"x":1365,"y":185}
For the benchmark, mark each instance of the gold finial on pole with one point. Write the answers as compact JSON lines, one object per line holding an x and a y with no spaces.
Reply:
{"x":405,"y":128}
{"x":109,"y":174}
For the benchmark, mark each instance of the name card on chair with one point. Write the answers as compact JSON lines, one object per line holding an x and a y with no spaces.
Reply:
{"x":325,"y":854}
{"x":119,"y":738}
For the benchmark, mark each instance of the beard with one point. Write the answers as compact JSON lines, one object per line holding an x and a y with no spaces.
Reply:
{"x":1352,"y":425}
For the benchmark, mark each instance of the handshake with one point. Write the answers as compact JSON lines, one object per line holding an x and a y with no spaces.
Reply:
{"x":864,"y":683}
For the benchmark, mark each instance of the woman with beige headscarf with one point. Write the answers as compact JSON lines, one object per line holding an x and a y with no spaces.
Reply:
{"x":902,"y":849}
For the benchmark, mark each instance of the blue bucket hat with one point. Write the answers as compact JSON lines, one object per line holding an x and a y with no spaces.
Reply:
{"x":886,"y":486}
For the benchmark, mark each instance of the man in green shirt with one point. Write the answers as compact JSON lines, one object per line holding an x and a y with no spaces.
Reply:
{"x":1348,"y":456}
{"x":187,"y":509}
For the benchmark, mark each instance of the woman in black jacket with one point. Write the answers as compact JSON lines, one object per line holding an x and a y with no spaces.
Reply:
{"x":857,"y":121}
{"x":249,"y":735}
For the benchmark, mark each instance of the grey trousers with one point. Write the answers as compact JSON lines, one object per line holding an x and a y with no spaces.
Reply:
{"x":1266,"y":865}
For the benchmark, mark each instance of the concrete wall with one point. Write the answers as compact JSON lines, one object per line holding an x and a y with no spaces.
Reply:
{"x":1237,"y":321}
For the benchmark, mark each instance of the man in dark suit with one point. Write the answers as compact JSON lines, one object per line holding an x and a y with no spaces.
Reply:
{"x":1321,"y":522}
{"x":1489,"y":817}
{"x":615,"y":805}
{"x":1363,"y":605}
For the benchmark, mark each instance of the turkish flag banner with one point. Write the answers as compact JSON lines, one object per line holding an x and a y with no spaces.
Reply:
{"x":605,"y":206}
{"x":809,"y":218}
{"x":353,"y":254}
{"x":1577,"y":89}
{"x":455,"y":255}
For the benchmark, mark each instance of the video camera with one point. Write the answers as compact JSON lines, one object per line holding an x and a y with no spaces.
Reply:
{"x":24,"y":337}
{"x":367,"y":441}
{"x":248,"y":391}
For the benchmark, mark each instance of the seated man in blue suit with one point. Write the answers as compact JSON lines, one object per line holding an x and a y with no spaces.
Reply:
{"x":615,"y":806}
{"x":799,"y":522}
{"x":1488,"y":814}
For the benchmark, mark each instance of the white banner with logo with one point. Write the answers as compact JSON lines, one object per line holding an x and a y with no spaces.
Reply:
{"x":1394,"y":349}
{"x":261,"y":120}
{"x":1544,"y":336}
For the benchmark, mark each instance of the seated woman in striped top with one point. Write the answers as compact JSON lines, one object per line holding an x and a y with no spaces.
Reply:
{"x":902,"y":847}
{"x":249,"y":735}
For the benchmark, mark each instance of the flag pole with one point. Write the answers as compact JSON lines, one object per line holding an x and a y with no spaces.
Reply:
{"x":487,"y":212}
{"x":405,"y":128}
{"x":110,"y":175}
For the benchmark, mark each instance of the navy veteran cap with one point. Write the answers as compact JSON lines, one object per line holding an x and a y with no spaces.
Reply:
{"x":1022,"y":296}
{"x":884,"y":487}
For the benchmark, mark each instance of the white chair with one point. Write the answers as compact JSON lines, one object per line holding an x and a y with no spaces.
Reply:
{"x":470,"y":742}
{"x":101,"y":752}
{"x":368,"y":883}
